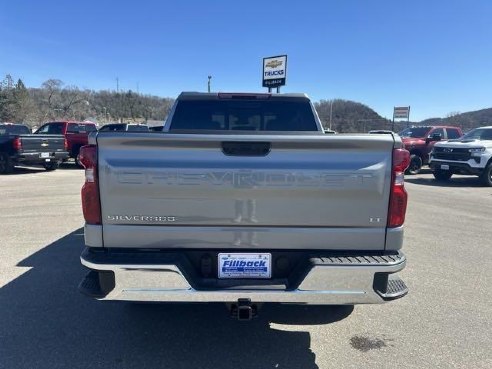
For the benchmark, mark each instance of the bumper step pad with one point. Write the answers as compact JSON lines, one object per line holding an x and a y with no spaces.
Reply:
{"x":97,"y":284}
{"x":90,"y":285}
{"x":360,"y":259}
{"x":395,"y":289}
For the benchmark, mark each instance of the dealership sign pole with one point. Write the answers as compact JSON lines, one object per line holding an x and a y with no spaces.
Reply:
{"x":400,"y":112}
{"x":274,"y":72}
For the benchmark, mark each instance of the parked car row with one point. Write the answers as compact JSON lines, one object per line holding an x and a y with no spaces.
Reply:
{"x":419,"y":141}
{"x":51,"y":144}
{"x":443,"y":148}
{"x":470,"y":154}
{"x":447,"y":151}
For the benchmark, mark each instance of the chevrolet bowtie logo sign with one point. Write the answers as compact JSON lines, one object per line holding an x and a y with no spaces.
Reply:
{"x":274,"y":71}
{"x":274,"y":64}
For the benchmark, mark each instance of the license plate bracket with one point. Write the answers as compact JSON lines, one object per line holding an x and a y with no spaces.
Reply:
{"x":244,"y":265}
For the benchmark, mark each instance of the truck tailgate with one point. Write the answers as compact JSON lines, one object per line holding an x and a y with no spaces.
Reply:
{"x":42,"y":143}
{"x":190,"y":191}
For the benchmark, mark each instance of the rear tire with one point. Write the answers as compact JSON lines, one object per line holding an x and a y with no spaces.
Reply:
{"x":442,"y":175}
{"x":51,"y":167}
{"x":415,"y":165}
{"x":75,"y":155}
{"x":6,"y":165}
{"x":486,"y":176}
{"x":78,"y":162}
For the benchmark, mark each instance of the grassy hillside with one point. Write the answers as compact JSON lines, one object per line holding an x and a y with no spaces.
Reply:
{"x":466,"y":120}
{"x":350,"y":116}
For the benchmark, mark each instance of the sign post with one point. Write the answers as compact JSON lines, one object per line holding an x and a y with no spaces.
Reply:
{"x":400,"y":112}
{"x":274,"y":72}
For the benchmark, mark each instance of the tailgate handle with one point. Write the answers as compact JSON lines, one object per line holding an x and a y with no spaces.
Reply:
{"x":238,"y":148}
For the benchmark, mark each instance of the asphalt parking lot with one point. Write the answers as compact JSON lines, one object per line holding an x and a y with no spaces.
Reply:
{"x":444,"y":322}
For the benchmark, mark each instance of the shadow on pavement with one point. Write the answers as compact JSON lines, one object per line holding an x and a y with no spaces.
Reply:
{"x":26,"y":170}
{"x":70,"y":165}
{"x":424,"y":170}
{"x":455,"y":181}
{"x":46,"y":323}
{"x":38,"y":169}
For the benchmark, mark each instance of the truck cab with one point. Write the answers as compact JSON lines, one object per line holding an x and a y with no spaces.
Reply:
{"x":125,"y":127}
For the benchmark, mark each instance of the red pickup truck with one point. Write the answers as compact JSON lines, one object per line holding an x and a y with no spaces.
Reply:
{"x":420,"y":141}
{"x":76,"y":133}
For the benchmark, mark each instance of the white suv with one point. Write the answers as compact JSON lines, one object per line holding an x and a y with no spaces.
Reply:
{"x":471,"y":154}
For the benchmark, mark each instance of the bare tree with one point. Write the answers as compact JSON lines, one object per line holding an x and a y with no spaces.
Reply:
{"x":52,"y":88}
{"x":55,"y":100}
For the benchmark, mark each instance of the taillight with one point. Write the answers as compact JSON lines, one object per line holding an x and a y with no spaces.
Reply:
{"x":398,"y":194}
{"x":91,"y":205}
{"x":65,"y":144}
{"x":17,"y":144}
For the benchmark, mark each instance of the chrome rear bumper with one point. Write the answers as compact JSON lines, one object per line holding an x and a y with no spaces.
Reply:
{"x":359,"y":279}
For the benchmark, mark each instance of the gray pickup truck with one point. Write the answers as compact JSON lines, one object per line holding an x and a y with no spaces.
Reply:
{"x":243,"y":199}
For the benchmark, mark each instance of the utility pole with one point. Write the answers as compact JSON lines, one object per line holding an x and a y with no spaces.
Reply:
{"x":209,"y":78}
{"x":138,"y":88}
{"x":408,"y":118}
{"x":331,"y":111}
{"x":117,"y":84}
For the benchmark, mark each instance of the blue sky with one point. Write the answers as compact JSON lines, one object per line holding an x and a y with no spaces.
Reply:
{"x":433,"y":55}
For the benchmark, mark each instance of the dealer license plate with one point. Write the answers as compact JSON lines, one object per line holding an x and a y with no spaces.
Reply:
{"x":245,"y":265}
{"x":444,"y":167}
